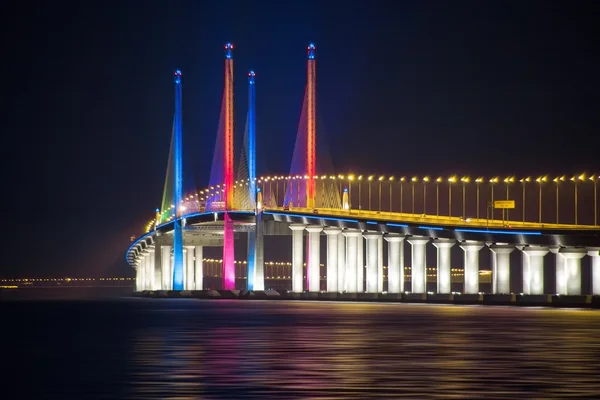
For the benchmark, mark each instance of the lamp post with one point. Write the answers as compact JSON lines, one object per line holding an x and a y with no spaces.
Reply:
{"x":507,"y":181}
{"x":425,"y":181}
{"x":557,"y":180}
{"x":451,"y":180}
{"x":575,"y":181}
{"x":370,"y":180}
{"x":437,"y":196}
{"x":477,"y":182}
{"x":402,"y":179}
{"x":464,"y":180}
{"x":541,"y":180}
{"x":391,"y":181}
{"x":595,"y":180}
{"x":359,"y":192}
{"x":523,"y":182}
{"x":493,"y":181}
{"x":412,"y":181}
{"x":380,"y":180}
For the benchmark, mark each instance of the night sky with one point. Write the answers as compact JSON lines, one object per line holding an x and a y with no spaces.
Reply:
{"x":438,"y":87}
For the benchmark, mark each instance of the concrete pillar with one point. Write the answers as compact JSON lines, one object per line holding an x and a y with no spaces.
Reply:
{"x":380,"y":264}
{"x":373,"y":276}
{"x":360,"y":264}
{"x":559,"y":263}
{"x":151,"y":264}
{"x":314,"y":258}
{"x":594,"y":253}
{"x":139,"y":279}
{"x":341,"y":267}
{"x":501,"y":267}
{"x":535,"y":256}
{"x":198,"y":268}
{"x":418,"y":266}
{"x":333,"y":234}
{"x":471,"y":267}
{"x":573,"y":258}
{"x":259,"y":255}
{"x":297,"y":257}
{"x":157,"y":267}
{"x":188,"y":283}
{"x":166,"y":268}
{"x":444,"y":274}
{"x":352,"y":238}
{"x":147,"y":276}
{"x":395,"y":262}
{"x":525,"y":268}
{"x":185,"y":266}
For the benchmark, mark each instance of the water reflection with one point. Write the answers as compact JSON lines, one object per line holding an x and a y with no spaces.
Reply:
{"x":190,"y":349}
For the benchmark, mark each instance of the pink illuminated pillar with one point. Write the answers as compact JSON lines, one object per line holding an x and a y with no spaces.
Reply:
{"x":228,"y":252}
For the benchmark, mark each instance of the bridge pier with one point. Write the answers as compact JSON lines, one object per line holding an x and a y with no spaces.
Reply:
{"x":352,"y":239}
{"x":314,"y":258}
{"x":360,"y":263}
{"x":560,"y":272}
{"x":573,"y":258}
{"x":373,"y":273}
{"x":297,"y":257}
{"x":166,"y":268}
{"x":395,"y":262}
{"x":418,"y":266}
{"x":501,"y":268}
{"x":535,"y":263}
{"x":333,"y":234}
{"x":341,"y":266}
{"x":188,"y":276}
{"x":594,"y":254}
{"x":198,"y":273}
{"x":444,"y":276}
{"x":471,"y":266}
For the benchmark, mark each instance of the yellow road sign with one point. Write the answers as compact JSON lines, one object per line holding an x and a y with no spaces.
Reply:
{"x":504,"y":204}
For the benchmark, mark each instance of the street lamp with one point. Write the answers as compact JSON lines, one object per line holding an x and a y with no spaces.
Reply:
{"x":359,"y":191}
{"x":540,"y":180}
{"x":391,"y":180}
{"x":380,"y":180}
{"x":464,"y":180}
{"x":477,"y":182}
{"x":425,"y":181}
{"x":437,"y":196}
{"x":523,"y":182}
{"x":370,"y":180}
{"x":412,"y":181}
{"x":557,"y":180}
{"x":402,"y":179}
{"x":451,"y":180}
{"x":492,"y":182}
{"x":595,"y":180}
{"x":575,"y":181}
{"x":508,"y":180}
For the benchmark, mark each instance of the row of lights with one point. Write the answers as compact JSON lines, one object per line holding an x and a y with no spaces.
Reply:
{"x":64,"y":279}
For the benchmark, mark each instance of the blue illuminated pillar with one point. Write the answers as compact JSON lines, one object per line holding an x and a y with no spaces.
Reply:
{"x":177,"y":188}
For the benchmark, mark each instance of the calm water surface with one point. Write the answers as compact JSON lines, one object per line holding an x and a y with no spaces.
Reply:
{"x":195,"y":349}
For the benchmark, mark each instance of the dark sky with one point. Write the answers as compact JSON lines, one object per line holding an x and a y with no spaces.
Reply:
{"x":436,"y":87}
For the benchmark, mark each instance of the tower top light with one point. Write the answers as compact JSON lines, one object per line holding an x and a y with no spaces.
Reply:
{"x":228,"y":50}
{"x":311,"y":51}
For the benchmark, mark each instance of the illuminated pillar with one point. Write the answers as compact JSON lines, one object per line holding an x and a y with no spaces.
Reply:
{"x":259,"y":255}
{"x":311,"y":126}
{"x":178,"y":188}
{"x":332,"y":258}
{"x":314,"y":258}
{"x":573,"y":258}
{"x":228,"y":254}
{"x":252,"y":139}
{"x":525,"y":268}
{"x":471,"y":266}
{"x":341,"y":267}
{"x":594,"y":253}
{"x":535,"y":257}
{"x":147,"y":276}
{"x":501,"y":267}
{"x":166,"y":268}
{"x":189,"y":269}
{"x":151,"y":263}
{"x":157,"y":266}
{"x":419,"y":273}
{"x":444,"y":274}
{"x":395,"y":262}
{"x":198,"y":268}
{"x":373,"y":276}
{"x":561,"y":276}
{"x":352,"y":238}
{"x":360,"y":264}
{"x":138,"y":275}
{"x":297,"y":257}
{"x":380,"y":264}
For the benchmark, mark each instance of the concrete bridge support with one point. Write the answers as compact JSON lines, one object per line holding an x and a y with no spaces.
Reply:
{"x":471,"y":266}
{"x":333,"y":234}
{"x":594,"y":253}
{"x":395,"y":262}
{"x":374,"y":278}
{"x":352,"y":239}
{"x":198,"y":268}
{"x":314,"y":257}
{"x":573,"y":258}
{"x":419,"y":272}
{"x":501,"y":267}
{"x":444,"y":276}
{"x":561,"y":275}
{"x":297,"y":258}
{"x":535,"y":275}
{"x":341,"y":267}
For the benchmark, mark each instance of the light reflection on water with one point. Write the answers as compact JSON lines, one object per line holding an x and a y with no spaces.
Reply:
{"x":194,"y":349}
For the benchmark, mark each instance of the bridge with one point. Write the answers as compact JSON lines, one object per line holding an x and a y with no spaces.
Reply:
{"x":358,"y":216}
